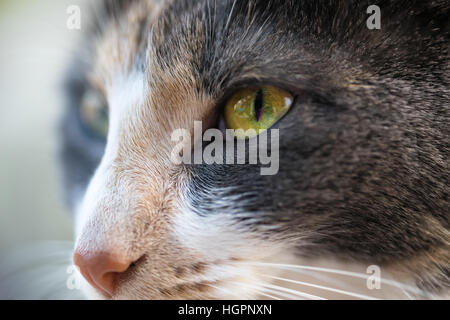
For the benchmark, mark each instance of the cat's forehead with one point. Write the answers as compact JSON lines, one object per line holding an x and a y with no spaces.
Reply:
{"x":206,"y":46}
{"x":141,"y":77}
{"x":213,"y":45}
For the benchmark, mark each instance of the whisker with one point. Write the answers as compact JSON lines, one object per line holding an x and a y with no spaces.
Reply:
{"x":266,"y":295}
{"x":229,"y":16}
{"x":340,"y":272}
{"x":335,"y":282}
{"x":324,"y":278}
{"x":299,"y":293}
{"x":37,"y":271}
{"x":271,"y":287}
{"x":281,"y":294}
{"x":352,"y":294}
{"x":222,"y":289}
{"x":406,"y":293}
{"x":256,"y":289}
{"x":293,"y":295}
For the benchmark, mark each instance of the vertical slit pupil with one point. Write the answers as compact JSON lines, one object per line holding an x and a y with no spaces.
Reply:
{"x":259,"y":104}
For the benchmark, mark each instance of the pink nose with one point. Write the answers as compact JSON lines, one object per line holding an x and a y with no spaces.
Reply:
{"x":101,"y":269}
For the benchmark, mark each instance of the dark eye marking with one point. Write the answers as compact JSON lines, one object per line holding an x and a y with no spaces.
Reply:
{"x":259,"y":104}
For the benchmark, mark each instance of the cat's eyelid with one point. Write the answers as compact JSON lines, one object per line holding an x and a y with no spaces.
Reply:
{"x":295,"y":91}
{"x":248,"y":84}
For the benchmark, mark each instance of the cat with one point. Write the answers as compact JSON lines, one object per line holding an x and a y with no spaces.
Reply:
{"x":363,"y":149}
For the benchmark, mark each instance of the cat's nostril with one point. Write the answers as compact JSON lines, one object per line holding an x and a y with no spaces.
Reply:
{"x":101,"y":269}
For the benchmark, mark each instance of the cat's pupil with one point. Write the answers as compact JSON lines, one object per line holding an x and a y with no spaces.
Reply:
{"x":258,"y":105}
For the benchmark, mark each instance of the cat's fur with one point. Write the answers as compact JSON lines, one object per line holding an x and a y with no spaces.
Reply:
{"x":363,"y":152}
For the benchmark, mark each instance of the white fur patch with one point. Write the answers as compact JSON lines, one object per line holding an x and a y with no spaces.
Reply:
{"x":125,"y":95}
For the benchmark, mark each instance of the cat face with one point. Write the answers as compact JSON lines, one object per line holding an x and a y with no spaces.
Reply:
{"x":362,"y":151}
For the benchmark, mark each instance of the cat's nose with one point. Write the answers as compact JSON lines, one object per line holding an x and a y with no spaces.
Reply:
{"x":101,"y":269}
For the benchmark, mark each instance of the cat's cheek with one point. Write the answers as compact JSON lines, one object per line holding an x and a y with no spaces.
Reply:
{"x":219,"y":238}
{"x":237,"y":257}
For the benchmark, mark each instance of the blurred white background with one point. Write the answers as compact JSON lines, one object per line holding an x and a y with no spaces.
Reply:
{"x":34,"y":48}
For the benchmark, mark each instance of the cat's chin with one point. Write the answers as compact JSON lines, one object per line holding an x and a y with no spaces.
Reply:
{"x":91,"y":293}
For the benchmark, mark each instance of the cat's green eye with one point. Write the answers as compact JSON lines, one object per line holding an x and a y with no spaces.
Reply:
{"x":257,"y":109}
{"x":94,"y":113}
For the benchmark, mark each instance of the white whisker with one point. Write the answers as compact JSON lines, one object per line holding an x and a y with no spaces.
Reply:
{"x":336,"y":271}
{"x":229,"y":16}
{"x":223,"y":290}
{"x":280,"y":291}
{"x":38,"y":271}
{"x":406,"y":294}
{"x":256,"y":289}
{"x":352,"y":294}
{"x":281,"y":294}
{"x":266,"y":294}
{"x":296,"y":292}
